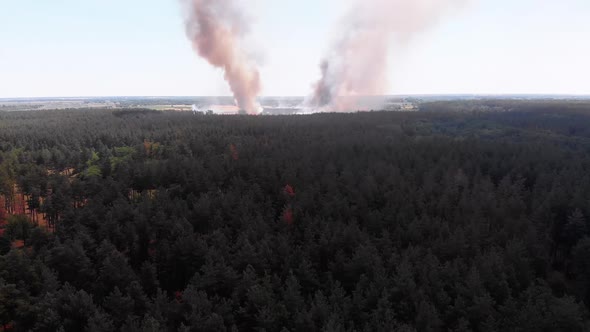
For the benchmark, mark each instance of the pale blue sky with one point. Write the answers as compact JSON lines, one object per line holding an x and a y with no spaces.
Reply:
{"x":138,"y":47}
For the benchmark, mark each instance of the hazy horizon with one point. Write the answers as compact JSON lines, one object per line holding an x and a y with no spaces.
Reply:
{"x":507,"y":95}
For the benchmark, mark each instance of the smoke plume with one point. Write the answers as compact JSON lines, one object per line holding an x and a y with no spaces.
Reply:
{"x":357,"y":64}
{"x":216,"y":29}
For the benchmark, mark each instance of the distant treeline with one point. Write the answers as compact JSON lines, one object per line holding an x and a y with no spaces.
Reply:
{"x":504,"y":105}
{"x":128,"y":112}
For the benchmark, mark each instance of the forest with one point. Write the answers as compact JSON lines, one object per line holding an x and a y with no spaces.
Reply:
{"x":464,"y":216}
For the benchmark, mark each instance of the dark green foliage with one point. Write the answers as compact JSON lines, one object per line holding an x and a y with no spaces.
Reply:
{"x":428,"y":221}
{"x":5,"y":245}
{"x":19,"y":228}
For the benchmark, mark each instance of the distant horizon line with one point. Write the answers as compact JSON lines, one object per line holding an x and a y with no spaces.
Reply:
{"x":415,"y":95}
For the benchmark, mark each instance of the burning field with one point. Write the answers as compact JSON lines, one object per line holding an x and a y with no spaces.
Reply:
{"x":353,"y":70}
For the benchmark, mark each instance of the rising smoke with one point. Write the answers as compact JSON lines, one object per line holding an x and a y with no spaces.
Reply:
{"x":357,"y":64}
{"x":216,"y":29}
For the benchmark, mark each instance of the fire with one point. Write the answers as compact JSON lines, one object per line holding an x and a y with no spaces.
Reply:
{"x":357,"y":64}
{"x":216,"y":29}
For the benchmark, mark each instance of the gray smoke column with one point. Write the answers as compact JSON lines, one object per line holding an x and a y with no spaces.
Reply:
{"x":357,"y":64}
{"x":217,"y":29}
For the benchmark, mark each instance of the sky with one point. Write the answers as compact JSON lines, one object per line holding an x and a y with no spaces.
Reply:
{"x":62,"y":48}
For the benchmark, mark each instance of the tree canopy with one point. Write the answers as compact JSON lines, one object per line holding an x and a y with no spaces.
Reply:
{"x":427,"y":221}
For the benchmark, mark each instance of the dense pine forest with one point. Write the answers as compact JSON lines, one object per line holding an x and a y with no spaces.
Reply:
{"x":465,"y":216}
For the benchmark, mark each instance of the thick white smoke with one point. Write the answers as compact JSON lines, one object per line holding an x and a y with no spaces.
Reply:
{"x":357,"y":64}
{"x":216,"y":29}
